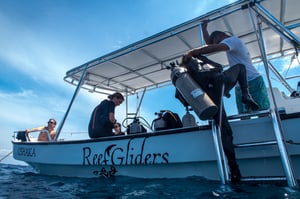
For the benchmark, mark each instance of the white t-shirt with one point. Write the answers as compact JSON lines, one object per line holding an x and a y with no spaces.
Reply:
{"x":239,"y":54}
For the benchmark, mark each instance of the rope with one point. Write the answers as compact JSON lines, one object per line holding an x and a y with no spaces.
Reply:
{"x":6,"y":156}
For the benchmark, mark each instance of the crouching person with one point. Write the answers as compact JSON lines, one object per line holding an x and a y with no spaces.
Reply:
{"x":103,"y":117}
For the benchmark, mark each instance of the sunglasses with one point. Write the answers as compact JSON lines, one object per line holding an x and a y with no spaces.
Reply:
{"x":51,"y":122}
{"x":116,"y":126}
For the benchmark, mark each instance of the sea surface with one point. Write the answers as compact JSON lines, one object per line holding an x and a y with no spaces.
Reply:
{"x":23,"y":182}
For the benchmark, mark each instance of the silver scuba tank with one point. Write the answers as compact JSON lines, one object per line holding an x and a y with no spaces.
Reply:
{"x":188,"y":120}
{"x":201,"y":103}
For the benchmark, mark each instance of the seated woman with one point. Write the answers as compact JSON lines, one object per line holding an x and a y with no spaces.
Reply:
{"x":47,"y":132}
{"x":118,"y":129}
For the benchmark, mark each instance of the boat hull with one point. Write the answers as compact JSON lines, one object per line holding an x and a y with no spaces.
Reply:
{"x":165,"y":154}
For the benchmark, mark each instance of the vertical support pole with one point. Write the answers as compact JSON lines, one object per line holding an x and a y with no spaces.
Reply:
{"x":221,"y":159}
{"x":127,"y":105}
{"x":140,"y":103}
{"x":71,"y":103}
{"x":218,"y":153}
{"x":281,"y":79}
{"x":220,"y":135}
{"x":201,"y":35}
{"x":286,"y":163}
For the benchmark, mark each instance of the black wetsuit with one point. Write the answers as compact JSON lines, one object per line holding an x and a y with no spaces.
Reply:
{"x":211,"y":82}
{"x":100,"y":125}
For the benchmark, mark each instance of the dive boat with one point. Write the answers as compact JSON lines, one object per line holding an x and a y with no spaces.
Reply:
{"x":267,"y":142}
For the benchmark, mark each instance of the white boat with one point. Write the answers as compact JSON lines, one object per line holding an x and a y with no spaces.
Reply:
{"x":267,"y":142}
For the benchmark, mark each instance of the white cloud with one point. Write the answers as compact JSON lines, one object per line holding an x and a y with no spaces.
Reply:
{"x":40,"y":57}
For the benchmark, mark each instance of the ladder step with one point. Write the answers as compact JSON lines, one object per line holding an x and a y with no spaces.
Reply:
{"x":252,"y":144}
{"x":263,"y":113}
{"x":263,"y":178}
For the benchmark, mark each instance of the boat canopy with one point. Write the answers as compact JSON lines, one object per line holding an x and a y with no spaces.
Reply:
{"x":143,"y":65}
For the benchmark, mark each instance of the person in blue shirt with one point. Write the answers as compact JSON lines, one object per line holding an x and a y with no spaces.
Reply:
{"x":103,"y":117}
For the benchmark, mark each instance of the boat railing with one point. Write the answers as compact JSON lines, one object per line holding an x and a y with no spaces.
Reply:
{"x":22,"y":136}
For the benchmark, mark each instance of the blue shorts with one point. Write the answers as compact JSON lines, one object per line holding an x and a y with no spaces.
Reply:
{"x":258,"y":92}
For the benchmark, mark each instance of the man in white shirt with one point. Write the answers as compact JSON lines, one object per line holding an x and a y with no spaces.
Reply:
{"x":241,"y":70}
{"x":237,"y":53}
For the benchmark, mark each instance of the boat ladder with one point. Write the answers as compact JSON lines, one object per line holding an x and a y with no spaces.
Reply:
{"x":279,"y":141}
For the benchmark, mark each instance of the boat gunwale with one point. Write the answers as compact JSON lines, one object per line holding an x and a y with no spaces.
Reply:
{"x":263,"y":114}
{"x":121,"y":137}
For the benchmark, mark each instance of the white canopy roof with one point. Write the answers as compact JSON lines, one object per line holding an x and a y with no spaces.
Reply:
{"x":143,"y":64}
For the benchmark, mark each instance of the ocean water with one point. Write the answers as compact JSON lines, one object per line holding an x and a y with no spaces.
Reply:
{"x":23,"y":182}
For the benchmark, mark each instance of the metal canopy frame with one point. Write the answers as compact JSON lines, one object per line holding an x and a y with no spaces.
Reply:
{"x":144,"y":64}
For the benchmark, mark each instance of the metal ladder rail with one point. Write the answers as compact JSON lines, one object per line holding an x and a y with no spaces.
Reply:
{"x":286,"y":163}
{"x":220,"y":155}
{"x":222,"y":166}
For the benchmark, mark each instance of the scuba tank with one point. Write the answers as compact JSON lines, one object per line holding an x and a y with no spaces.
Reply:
{"x":188,"y":120}
{"x":166,"y":120}
{"x":159,"y":123}
{"x":192,"y":93}
{"x":135,"y":127}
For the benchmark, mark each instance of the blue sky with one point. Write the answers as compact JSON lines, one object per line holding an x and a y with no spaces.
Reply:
{"x":41,"y":39}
